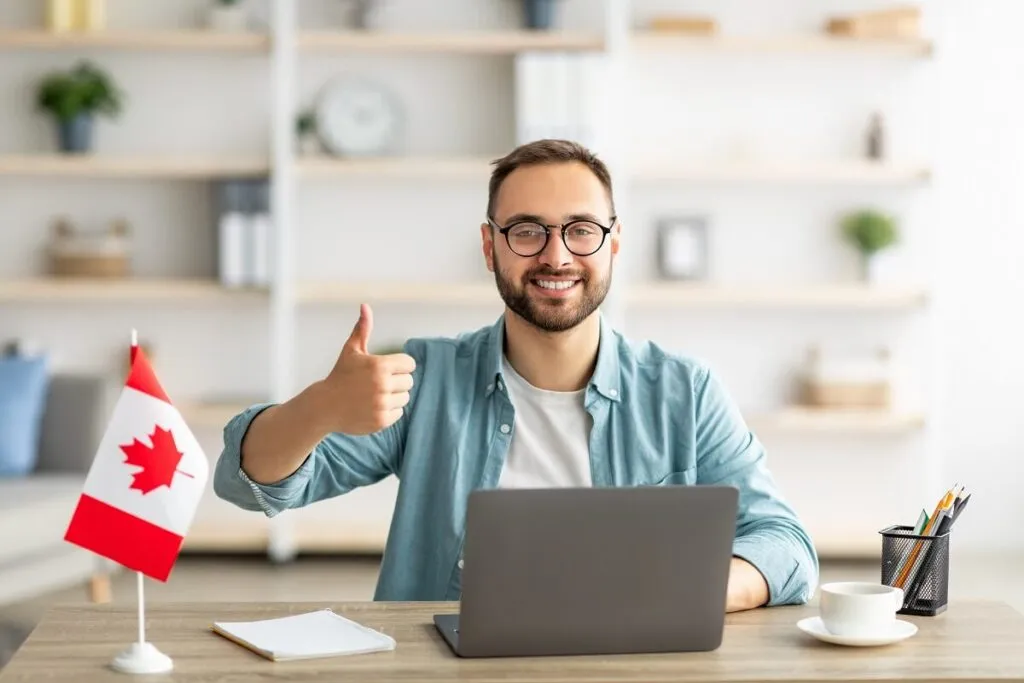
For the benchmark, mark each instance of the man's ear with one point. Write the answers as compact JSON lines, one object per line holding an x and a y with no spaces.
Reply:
{"x":487,"y":244}
{"x":616,"y":236}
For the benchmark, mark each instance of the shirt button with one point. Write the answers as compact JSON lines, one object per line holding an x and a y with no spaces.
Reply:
{"x":613,"y":392}
{"x":461,"y":563}
{"x":501,"y":386}
{"x":489,"y":387}
{"x":505,"y":429}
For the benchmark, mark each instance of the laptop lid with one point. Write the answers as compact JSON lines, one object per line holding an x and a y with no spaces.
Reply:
{"x":596,"y":570}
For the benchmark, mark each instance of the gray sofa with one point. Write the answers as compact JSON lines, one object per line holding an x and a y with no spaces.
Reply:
{"x":35,"y":509}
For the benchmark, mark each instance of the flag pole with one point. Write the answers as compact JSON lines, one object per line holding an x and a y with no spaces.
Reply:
{"x":141,"y":657}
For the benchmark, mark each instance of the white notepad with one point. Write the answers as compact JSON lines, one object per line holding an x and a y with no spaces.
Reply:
{"x":305,"y":636}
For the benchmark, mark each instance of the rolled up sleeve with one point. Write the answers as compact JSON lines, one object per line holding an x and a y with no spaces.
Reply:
{"x":768,"y":534}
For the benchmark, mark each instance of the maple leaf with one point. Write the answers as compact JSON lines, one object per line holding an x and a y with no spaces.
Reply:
{"x":159,"y":462}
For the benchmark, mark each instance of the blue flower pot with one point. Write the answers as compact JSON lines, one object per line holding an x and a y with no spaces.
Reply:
{"x":76,"y":134}
{"x":539,"y":14}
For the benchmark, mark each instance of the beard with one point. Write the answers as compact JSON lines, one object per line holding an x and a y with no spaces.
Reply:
{"x":552,"y":315}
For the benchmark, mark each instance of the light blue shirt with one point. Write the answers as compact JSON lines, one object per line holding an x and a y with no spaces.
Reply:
{"x":658,"y":419}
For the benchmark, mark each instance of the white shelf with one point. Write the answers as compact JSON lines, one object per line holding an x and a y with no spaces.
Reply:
{"x":804,"y":420}
{"x":402,"y":293}
{"x":826,"y":296}
{"x":110,"y":166}
{"x":396,"y":167}
{"x":852,"y":172}
{"x":662,"y":42}
{"x":99,"y":290}
{"x":136,"y":39}
{"x":463,"y":42}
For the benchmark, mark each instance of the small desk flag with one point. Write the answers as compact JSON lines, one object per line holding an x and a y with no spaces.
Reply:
{"x":145,"y":483}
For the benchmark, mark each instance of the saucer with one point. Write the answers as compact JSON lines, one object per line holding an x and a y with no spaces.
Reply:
{"x":815,"y":627}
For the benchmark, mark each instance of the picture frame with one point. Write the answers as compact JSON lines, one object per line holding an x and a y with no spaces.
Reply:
{"x":683,"y":247}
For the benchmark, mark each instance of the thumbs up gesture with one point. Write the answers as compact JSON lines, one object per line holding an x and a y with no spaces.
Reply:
{"x":368,"y":392}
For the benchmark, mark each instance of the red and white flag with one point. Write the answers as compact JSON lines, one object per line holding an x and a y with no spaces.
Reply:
{"x":145,"y":483}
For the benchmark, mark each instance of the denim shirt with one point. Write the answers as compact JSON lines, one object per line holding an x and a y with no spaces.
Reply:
{"x":658,"y":419}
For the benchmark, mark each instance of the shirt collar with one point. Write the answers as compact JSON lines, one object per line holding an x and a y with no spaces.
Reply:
{"x":606,"y":379}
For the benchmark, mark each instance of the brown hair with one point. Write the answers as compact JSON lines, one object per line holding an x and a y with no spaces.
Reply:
{"x":545,"y":152}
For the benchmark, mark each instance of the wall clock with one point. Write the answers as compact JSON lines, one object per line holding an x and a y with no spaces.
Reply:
{"x":358,"y":118}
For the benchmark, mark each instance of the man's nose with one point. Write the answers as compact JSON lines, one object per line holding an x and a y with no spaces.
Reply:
{"x":555,"y":255}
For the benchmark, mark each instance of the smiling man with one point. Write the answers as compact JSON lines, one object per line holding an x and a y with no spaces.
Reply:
{"x":550,"y":395}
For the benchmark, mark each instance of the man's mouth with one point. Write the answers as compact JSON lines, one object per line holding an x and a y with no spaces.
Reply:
{"x":555,"y":285}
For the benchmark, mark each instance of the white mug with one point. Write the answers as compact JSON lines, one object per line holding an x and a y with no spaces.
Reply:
{"x":857,"y":609}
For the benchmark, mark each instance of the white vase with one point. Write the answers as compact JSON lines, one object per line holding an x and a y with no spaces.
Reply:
{"x":883,"y":267}
{"x":228,"y":18}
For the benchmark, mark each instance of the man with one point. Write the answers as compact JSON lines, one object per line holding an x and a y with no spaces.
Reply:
{"x":548,"y":396}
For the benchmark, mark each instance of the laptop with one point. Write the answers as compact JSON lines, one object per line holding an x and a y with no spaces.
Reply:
{"x":574,"y":571}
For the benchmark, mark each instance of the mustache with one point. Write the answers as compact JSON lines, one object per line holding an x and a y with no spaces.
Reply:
{"x":550,"y":272}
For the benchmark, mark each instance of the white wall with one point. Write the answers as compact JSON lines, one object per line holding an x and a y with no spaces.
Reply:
{"x":958,"y":111}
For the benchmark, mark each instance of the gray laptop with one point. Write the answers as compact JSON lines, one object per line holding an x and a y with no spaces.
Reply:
{"x":570,"y":571}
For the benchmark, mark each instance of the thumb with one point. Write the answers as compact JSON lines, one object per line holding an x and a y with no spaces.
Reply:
{"x":360,"y":337}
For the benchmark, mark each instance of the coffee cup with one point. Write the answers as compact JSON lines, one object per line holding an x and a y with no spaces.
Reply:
{"x":857,"y":609}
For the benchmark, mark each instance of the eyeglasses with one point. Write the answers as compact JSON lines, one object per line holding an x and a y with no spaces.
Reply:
{"x":527,"y":238}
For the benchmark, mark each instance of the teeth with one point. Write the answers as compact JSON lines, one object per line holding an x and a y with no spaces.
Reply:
{"x":548,"y":284}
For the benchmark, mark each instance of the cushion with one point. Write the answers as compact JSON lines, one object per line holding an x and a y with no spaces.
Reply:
{"x":23,"y":386}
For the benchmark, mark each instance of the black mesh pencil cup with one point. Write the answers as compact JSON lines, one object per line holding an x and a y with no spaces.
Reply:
{"x":920,"y":566}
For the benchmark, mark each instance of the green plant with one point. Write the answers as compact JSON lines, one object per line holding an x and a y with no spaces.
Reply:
{"x":305,"y":123}
{"x":870,"y":231}
{"x":85,"y":89}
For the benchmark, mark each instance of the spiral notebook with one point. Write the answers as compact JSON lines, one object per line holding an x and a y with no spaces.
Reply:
{"x":304,"y":636}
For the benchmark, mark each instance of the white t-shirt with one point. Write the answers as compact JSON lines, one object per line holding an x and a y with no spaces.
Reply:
{"x":550,"y":444}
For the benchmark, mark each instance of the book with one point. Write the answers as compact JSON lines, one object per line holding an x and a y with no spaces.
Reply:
{"x":310,"y":635}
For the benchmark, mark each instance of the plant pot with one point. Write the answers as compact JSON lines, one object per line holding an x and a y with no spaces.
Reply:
{"x":539,"y":14}
{"x":75,"y":135}
{"x":229,"y":19}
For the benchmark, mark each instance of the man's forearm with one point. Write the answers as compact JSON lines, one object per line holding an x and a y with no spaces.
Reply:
{"x":281,"y":437}
{"x":747,"y":587}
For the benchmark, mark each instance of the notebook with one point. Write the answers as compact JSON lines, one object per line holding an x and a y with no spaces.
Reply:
{"x":305,"y":636}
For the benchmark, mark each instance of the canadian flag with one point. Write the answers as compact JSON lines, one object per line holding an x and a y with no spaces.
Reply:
{"x":145,"y":483}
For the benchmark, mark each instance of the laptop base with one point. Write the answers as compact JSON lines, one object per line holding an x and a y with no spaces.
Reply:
{"x":448,"y":626}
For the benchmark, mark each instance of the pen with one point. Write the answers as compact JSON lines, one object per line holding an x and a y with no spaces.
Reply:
{"x":959,"y":508}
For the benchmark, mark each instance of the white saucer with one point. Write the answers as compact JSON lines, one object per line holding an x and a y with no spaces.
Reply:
{"x":813,"y":626}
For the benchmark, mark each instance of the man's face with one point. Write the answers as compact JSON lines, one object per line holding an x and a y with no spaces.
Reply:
{"x":554,"y":290}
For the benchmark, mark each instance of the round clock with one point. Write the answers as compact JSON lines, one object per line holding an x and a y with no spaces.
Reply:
{"x":358,"y":118}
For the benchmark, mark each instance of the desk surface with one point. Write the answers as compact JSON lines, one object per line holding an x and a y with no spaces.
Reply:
{"x":972,"y":641}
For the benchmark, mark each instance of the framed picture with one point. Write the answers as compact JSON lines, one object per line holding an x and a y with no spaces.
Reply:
{"x":683,"y":248}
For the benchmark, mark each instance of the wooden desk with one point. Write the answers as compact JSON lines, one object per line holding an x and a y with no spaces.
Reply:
{"x":972,"y":641}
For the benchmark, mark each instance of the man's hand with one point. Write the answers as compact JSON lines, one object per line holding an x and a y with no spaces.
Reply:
{"x":747,"y":587}
{"x":365,"y":393}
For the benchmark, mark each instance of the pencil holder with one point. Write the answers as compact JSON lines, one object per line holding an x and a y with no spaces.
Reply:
{"x":920,"y":566}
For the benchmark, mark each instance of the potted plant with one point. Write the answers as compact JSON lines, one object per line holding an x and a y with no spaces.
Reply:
{"x":229,"y":16}
{"x":870,"y":232}
{"x":74,"y":99}
{"x":305,"y":130}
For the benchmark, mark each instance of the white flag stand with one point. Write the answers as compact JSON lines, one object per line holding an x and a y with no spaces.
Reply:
{"x":142,"y":657}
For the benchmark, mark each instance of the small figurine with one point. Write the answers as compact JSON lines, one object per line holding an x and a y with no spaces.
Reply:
{"x":876,"y":138}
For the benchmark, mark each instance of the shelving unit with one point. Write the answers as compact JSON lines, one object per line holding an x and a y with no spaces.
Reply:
{"x":818,"y":45}
{"x":135,"y":40}
{"x":164,"y":167}
{"x":291,"y":295}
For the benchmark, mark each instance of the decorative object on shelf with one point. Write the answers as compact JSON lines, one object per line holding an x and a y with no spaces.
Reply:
{"x":871,"y":232}
{"x":876,"y":137}
{"x":683,"y":248}
{"x":228,"y":16}
{"x":360,"y":14}
{"x":75,"y":15}
{"x":684,"y":25}
{"x":244,"y":233}
{"x":848,"y":380}
{"x":74,"y":98}
{"x":895,"y":23}
{"x":539,"y":14}
{"x":102,"y":254}
{"x":357,"y":118}
{"x":305,"y":132}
